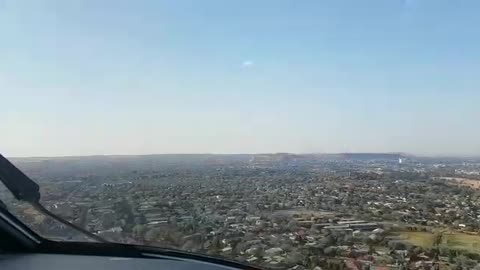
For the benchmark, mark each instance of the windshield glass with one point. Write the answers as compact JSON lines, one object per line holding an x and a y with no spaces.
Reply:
{"x":283,"y":134}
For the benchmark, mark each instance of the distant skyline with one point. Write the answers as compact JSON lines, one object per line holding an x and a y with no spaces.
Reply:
{"x":150,"y":77}
{"x":407,"y":155}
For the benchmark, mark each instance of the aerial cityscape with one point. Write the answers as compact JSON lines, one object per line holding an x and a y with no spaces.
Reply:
{"x":276,"y":211}
{"x":298,"y":135}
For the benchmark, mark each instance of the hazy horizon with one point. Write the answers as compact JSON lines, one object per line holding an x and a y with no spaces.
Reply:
{"x":123,"y":77}
{"x":227,"y":154}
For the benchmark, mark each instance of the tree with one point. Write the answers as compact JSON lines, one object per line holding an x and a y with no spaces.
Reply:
{"x":216,"y":245}
{"x":451,"y":256}
{"x":292,"y":225}
{"x":152,"y":235}
{"x":294,"y":258}
{"x":259,"y":252}
{"x":139,"y":231}
{"x":437,"y":239}
{"x":233,"y":243}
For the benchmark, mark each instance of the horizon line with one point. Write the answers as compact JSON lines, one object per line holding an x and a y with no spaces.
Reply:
{"x":406,"y":154}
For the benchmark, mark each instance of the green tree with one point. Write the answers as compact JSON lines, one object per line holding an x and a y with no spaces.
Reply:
{"x":139,"y":231}
{"x":437,"y":239}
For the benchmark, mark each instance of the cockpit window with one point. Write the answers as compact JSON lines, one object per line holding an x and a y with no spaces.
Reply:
{"x":283,"y":134}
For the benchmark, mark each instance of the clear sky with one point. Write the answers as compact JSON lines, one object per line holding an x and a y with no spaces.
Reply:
{"x":199,"y":76}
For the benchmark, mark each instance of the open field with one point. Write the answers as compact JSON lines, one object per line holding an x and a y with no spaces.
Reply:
{"x":462,"y":241}
{"x":421,"y":239}
{"x":451,"y":240}
{"x":472,"y":183}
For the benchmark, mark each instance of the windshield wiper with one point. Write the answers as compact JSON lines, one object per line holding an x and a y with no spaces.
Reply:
{"x":25,"y":189}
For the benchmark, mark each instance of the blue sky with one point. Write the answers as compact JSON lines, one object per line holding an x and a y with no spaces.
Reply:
{"x":140,"y":77}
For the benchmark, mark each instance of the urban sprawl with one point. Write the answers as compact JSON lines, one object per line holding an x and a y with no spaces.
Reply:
{"x":275,"y":211}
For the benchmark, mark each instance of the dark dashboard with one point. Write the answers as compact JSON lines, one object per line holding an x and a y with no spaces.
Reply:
{"x":82,"y":262}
